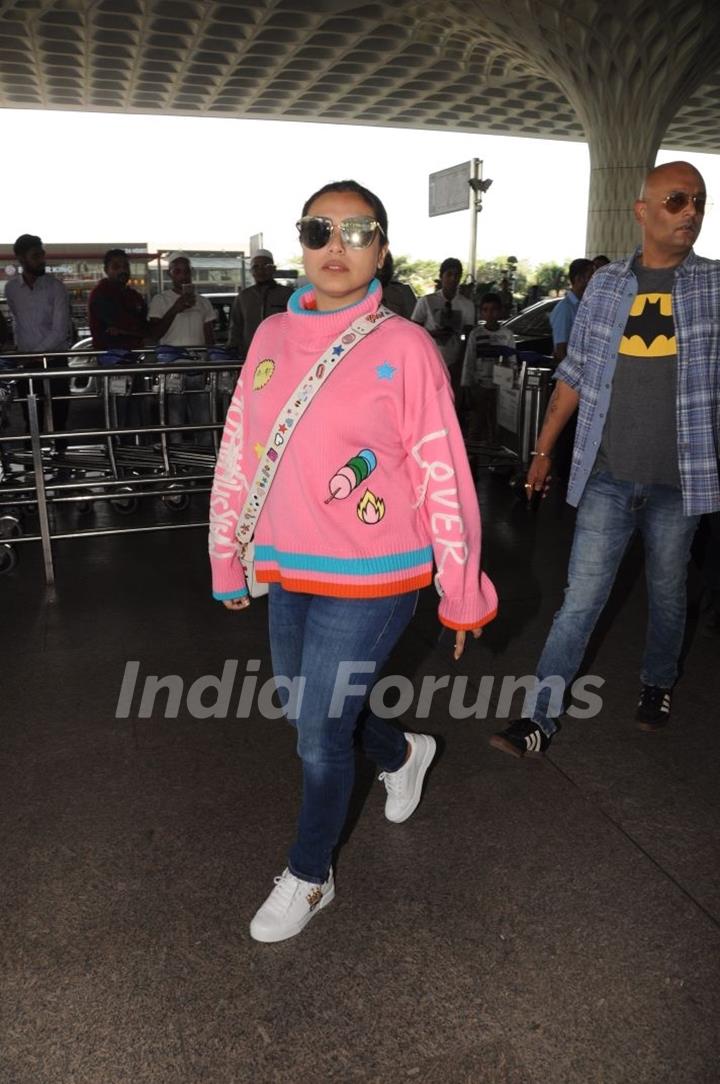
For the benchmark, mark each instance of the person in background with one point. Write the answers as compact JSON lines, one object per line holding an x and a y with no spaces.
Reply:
{"x":563,"y":315}
{"x":374,"y":484}
{"x":180,"y":317}
{"x":40,"y":308}
{"x":600,"y":261}
{"x":117,"y":313}
{"x":445,"y":315}
{"x":256,"y":303}
{"x":397,"y":296}
{"x":532,"y":297}
{"x":479,"y":393}
{"x":507,"y":301}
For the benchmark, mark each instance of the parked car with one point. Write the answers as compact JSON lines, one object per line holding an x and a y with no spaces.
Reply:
{"x":531,"y":327}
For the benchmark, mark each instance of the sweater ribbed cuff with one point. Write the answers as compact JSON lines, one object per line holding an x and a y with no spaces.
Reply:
{"x":228,"y":578}
{"x":227,"y":595}
{"x":473,"y":611}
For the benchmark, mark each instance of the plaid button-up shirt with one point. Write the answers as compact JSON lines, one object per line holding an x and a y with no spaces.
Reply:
{"x":590,"y":366}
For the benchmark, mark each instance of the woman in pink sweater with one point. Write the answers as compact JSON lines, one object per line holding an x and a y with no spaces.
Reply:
{"x":374,"y":491}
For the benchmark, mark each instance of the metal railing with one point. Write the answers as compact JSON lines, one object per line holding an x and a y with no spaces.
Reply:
{"x":119,"y":461}
{"x":124,"y":464}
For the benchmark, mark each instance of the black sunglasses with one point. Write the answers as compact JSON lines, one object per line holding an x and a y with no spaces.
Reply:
{"x":357,"y":232}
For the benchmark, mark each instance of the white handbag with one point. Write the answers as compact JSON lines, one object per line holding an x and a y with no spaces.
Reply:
{"x":289,"y":417}
{"x":256,"y":588}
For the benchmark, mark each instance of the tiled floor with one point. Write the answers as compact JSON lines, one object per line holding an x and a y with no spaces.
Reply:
{"x":536,"y":922}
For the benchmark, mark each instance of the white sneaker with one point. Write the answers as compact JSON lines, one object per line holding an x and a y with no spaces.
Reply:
{"x":290,"y":906}
{"x":404,"y":787}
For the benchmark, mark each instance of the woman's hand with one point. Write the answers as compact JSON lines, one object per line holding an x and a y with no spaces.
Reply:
{"x":236,"y":603}
{"x":460,"y":641}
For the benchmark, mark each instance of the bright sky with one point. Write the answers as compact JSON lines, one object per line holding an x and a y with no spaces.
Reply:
{"x":206,"y":183}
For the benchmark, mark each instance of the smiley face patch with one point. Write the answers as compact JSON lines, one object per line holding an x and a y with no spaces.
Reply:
{"x":263,"y":373}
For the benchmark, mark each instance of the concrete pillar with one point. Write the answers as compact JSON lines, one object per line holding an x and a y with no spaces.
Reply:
{"x":621,"y":153}
{"x":625,"y":71}
{"x":625,"y":119}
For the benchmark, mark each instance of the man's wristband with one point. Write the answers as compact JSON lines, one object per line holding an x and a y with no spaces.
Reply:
{"x":543,"y":455}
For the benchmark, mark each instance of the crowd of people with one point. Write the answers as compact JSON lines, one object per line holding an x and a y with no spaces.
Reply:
{"x":388,"y":498}
{"x":179,"y":318}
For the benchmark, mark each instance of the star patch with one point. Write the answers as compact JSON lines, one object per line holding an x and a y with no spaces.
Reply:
{"x":338,"y":350}
{"x":386,"y":371}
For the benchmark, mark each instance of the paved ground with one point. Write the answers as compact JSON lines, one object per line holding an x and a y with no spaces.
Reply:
{"x":543,"y":922}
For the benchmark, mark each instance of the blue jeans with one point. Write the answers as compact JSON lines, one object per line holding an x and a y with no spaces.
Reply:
{"x":310,"y":637}
{"x":608,"y":515}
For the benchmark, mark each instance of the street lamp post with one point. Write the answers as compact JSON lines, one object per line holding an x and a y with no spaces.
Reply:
{"x":478,"y":186}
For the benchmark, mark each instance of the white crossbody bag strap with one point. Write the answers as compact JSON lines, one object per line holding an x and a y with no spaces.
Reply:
{"x":285,"y":425}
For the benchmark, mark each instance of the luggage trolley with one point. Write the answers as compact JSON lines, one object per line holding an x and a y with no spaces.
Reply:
{"x":523,"y":381}
{"x":113,"y":462}
{"x":144,"y":445}
{"x":17,"y":469}
{"x":20,"y":468}
{"x":7,"y":395}
{"x":10,"y":525}
{"x":119,"y":458}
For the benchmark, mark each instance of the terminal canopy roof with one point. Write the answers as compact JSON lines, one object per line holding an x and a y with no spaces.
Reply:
{"x":506,"y":67}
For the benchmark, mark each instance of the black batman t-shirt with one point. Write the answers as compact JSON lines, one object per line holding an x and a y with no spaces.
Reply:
{"x":639,"y":442}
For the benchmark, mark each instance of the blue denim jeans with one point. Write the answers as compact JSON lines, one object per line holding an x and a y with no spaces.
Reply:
{"x":608,"y":515}
{"x":311,"y":636}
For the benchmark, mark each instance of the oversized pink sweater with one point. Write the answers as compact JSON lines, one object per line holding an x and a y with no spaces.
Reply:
{"x":375,"y":484}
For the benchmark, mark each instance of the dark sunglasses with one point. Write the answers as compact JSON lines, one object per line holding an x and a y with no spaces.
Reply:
{"x":676,"y":201}
{"x":357,"y":232}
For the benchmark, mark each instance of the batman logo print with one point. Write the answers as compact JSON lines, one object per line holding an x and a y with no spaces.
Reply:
{"x":650,"y":330}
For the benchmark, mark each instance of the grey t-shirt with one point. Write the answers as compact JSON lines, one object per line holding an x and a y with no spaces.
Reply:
{"x":639,"y":442}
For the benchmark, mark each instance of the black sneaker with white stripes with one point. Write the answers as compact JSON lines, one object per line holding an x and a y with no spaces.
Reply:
{"x":521,"y":737}
{"x":653,"y":710}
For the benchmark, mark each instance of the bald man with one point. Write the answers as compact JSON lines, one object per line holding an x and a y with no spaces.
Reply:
{"x":642,"y":369}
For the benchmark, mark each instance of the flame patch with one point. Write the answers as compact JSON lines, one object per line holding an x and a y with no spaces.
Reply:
{"x":370,"y":509}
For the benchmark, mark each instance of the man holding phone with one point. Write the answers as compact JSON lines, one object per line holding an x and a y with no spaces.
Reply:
{"x":181,"y":318}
